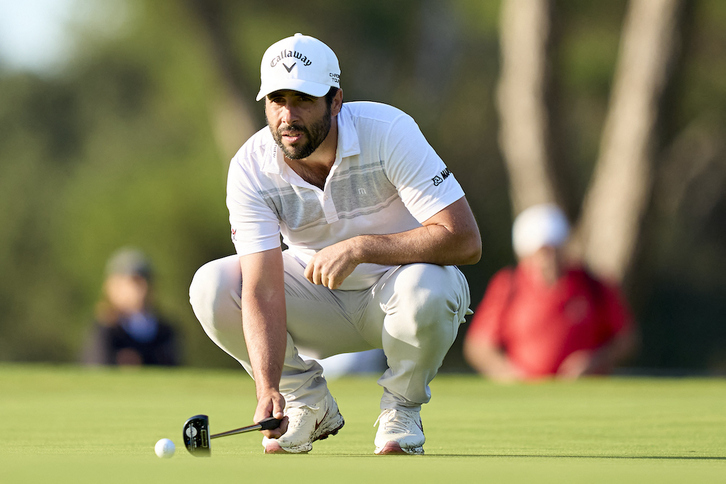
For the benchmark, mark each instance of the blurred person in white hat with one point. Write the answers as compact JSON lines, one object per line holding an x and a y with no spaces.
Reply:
{"x":374,"y":223}
{"x":127,"y":329}
{"x":547,"y":318}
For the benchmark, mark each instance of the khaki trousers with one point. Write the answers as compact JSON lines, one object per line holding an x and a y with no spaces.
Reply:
{"x":413,"y":313}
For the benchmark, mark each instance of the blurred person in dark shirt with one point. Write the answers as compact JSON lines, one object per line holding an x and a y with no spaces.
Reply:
{"x":127,"y":329}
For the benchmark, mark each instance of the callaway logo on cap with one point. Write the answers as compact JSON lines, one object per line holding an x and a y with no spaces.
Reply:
{"x":300,"y":63}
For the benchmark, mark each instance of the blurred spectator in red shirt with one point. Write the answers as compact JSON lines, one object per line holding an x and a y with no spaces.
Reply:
{"x":545,"y":318}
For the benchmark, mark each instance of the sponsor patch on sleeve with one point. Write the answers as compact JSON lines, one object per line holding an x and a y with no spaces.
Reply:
{"x":439,"y":179}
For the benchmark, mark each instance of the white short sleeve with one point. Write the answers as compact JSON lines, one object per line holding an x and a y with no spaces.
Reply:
{"x":255,"y":225}
{"x":425,"y":184}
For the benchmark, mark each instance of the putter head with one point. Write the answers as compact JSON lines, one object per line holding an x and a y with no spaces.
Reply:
{"x":196,"y":436}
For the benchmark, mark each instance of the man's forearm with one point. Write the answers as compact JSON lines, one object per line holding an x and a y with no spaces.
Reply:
{"x":431,"y":244}
{"x":264,"y":316}
{"x":490,"y":361}
{"x":264,"y":326}
{"x":451,"y":237}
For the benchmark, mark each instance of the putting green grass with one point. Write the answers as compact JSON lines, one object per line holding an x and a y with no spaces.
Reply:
{"x":75,"y":425}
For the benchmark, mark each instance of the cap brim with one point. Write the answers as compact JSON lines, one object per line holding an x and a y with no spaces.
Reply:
{"x":307,"y":87}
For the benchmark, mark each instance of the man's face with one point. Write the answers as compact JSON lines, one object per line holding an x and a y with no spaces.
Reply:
{"x":127,"y":293}
{"x":299,"y":122}
{"x":546,"y":263}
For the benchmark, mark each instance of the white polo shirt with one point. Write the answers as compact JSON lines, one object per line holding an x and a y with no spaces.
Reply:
{"x":386,"y":179}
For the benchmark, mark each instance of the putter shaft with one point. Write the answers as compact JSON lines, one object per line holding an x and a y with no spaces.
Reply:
{"x":240,"y":430}
{"x":266,"y":424}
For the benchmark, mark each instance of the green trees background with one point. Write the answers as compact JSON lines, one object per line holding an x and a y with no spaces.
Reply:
{"x":129,"y":144}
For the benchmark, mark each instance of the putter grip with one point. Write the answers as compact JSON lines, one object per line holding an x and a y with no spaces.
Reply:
{"x":269,"y":423}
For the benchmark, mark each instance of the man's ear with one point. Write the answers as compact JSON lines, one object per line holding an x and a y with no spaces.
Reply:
{"x":337,"y":103}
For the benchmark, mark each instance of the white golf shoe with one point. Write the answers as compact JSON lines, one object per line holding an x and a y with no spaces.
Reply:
{"x":306,"y":425}
{"x":399,"y":432}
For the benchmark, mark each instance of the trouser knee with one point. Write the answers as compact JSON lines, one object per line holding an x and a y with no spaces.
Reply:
{"x":434,"y":299}
{"x":214,"y":292}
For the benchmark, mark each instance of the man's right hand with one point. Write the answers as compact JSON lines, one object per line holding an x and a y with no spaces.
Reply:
{"x":271,"y":404}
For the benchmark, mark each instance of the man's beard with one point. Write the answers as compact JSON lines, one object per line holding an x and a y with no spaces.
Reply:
{"x":313,"y":136}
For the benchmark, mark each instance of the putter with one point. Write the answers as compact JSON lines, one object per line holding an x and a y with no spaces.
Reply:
{"x":196,"y":433}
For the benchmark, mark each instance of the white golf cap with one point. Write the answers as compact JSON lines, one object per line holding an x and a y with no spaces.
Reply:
{"x":539,"y":226}
{"x":300,"y":63}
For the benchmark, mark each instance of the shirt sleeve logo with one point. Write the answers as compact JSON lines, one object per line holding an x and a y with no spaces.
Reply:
{"x":439,"y":179}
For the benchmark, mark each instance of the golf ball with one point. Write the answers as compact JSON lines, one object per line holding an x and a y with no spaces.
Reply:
{"x":164,"y":448}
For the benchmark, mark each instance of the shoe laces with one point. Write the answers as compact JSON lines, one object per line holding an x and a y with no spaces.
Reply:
{"x":398,"y":421}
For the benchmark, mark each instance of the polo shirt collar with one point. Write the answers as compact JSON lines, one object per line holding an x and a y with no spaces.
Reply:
{"x":348,"y":144}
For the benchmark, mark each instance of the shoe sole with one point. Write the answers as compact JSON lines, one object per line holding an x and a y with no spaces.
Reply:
{"x":276,"y":448}
{"x":394,"y":448}
{"x":332,"y":432}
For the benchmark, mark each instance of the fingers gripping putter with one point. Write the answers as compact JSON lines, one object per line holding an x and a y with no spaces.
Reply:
{"x":196,"y":433}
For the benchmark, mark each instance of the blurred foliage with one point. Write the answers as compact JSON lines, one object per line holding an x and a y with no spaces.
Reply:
{"x":120,"y":149}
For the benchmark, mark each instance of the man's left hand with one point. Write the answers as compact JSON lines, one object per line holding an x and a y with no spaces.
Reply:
{"x":330,"y":266}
